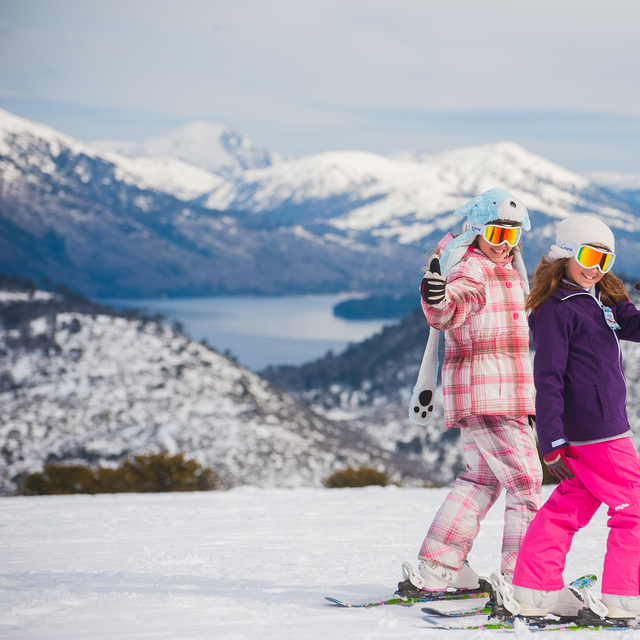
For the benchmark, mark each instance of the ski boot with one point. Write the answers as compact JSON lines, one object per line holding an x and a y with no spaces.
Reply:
{"x":434,"y":577}
{"x":621,"y":611}
{"x":534,"y":605}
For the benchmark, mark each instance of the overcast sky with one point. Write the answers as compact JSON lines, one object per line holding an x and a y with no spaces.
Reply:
{"x":561,"y":77}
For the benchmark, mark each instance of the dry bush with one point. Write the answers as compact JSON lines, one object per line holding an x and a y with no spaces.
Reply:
{"x":152,"y":473}
{"x":361,"y":477}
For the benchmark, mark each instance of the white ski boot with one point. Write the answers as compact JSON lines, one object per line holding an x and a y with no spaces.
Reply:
{"x":621,"y":607}
{"x":438,"y":577}
{"x":534,"y":604}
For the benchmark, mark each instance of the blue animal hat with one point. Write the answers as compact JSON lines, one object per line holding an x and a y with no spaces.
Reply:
{"x":495,"y":204}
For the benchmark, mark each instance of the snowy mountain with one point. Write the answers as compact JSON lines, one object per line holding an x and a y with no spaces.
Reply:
{"x":113,"y":226}
{"x":80,"y":384}
{"x":618,"y":182}
{"x":409,"y":197}
{"x":26,"y":146}
{"x":214,"y":147}
{"x":110,"y":226}
{"x":623,"y":185}
{"x":359,"y":191}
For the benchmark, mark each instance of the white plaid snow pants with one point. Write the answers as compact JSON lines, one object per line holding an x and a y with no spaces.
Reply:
{"x":500,"y":452}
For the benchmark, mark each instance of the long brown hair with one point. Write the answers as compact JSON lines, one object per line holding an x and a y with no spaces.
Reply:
{"x":549,"y":274}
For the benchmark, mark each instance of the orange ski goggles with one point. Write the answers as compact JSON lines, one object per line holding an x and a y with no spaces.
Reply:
{"x":497,"y":234}
{"x":590,"y":257}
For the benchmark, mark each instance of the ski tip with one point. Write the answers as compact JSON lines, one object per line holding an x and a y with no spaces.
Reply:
{"x":339,"y":603}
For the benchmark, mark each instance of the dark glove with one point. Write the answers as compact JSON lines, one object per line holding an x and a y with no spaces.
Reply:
{"x":433,"y":284}
{"x":558,"y":464}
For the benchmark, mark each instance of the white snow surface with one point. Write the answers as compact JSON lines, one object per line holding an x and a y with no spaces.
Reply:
{"x":244,"y":564}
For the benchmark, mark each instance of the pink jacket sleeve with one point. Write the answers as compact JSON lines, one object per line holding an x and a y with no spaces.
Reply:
{"x":465,"y":296}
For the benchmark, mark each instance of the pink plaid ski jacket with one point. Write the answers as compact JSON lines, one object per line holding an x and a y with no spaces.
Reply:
{"x":487,"y":369}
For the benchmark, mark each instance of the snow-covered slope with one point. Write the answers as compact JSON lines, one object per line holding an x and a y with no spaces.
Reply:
{"x":94,"y":387}
{"x":26,"y":145}
{"x":213,"y":147}
{"x":616,"y":182}
{"x":410,"y":196}
{"x":237,"y":565}
{"x":111,"y":225}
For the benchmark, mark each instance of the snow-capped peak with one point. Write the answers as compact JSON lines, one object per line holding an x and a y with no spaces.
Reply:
{"x":29,"y":144}
{"x":403,"y":195}
{"x":214,"y":147}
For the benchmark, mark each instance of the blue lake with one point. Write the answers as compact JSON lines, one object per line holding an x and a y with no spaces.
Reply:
{"x":264,"y":331}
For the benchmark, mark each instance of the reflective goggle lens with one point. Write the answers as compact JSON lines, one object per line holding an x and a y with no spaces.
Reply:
{"x":589,"y":257}
{"x":497,"y":235}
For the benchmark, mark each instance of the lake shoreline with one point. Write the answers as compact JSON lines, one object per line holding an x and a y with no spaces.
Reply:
{"x":263,"y":331}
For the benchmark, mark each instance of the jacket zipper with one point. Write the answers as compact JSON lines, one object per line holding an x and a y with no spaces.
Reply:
{"x":615,"y":335}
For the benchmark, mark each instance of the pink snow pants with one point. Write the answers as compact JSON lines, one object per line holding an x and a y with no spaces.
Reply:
{"x":606,"y":472}
{"x":501,"y":453}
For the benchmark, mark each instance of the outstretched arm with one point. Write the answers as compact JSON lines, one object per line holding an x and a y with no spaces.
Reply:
{"x":448,"y":304}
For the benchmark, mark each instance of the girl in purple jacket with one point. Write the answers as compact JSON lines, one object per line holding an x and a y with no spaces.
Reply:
{"x":580,"y":312}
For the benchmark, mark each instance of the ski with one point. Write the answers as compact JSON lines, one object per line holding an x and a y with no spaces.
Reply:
{"x":581,"y":583}
{"x":552,"y":623}
{"x":426,"y":596}
{"x":409,"y":592}
{"x":458,"y":613}
{"x":548,"y":626}
{"x":499,"y":626}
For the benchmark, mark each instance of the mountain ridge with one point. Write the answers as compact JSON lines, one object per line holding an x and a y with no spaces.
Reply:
{"x":213,"y":147}
{"x":67,"y":214}
{"x":81,"y":383}
{"x":113,"y":226}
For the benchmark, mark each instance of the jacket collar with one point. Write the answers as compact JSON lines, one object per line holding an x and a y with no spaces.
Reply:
{"x":565,"y":291}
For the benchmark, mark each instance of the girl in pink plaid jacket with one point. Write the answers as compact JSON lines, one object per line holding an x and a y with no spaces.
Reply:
{"x":487,"y":382}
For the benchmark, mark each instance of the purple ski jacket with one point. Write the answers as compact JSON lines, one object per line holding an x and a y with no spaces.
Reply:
{"x":581,"y":390}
